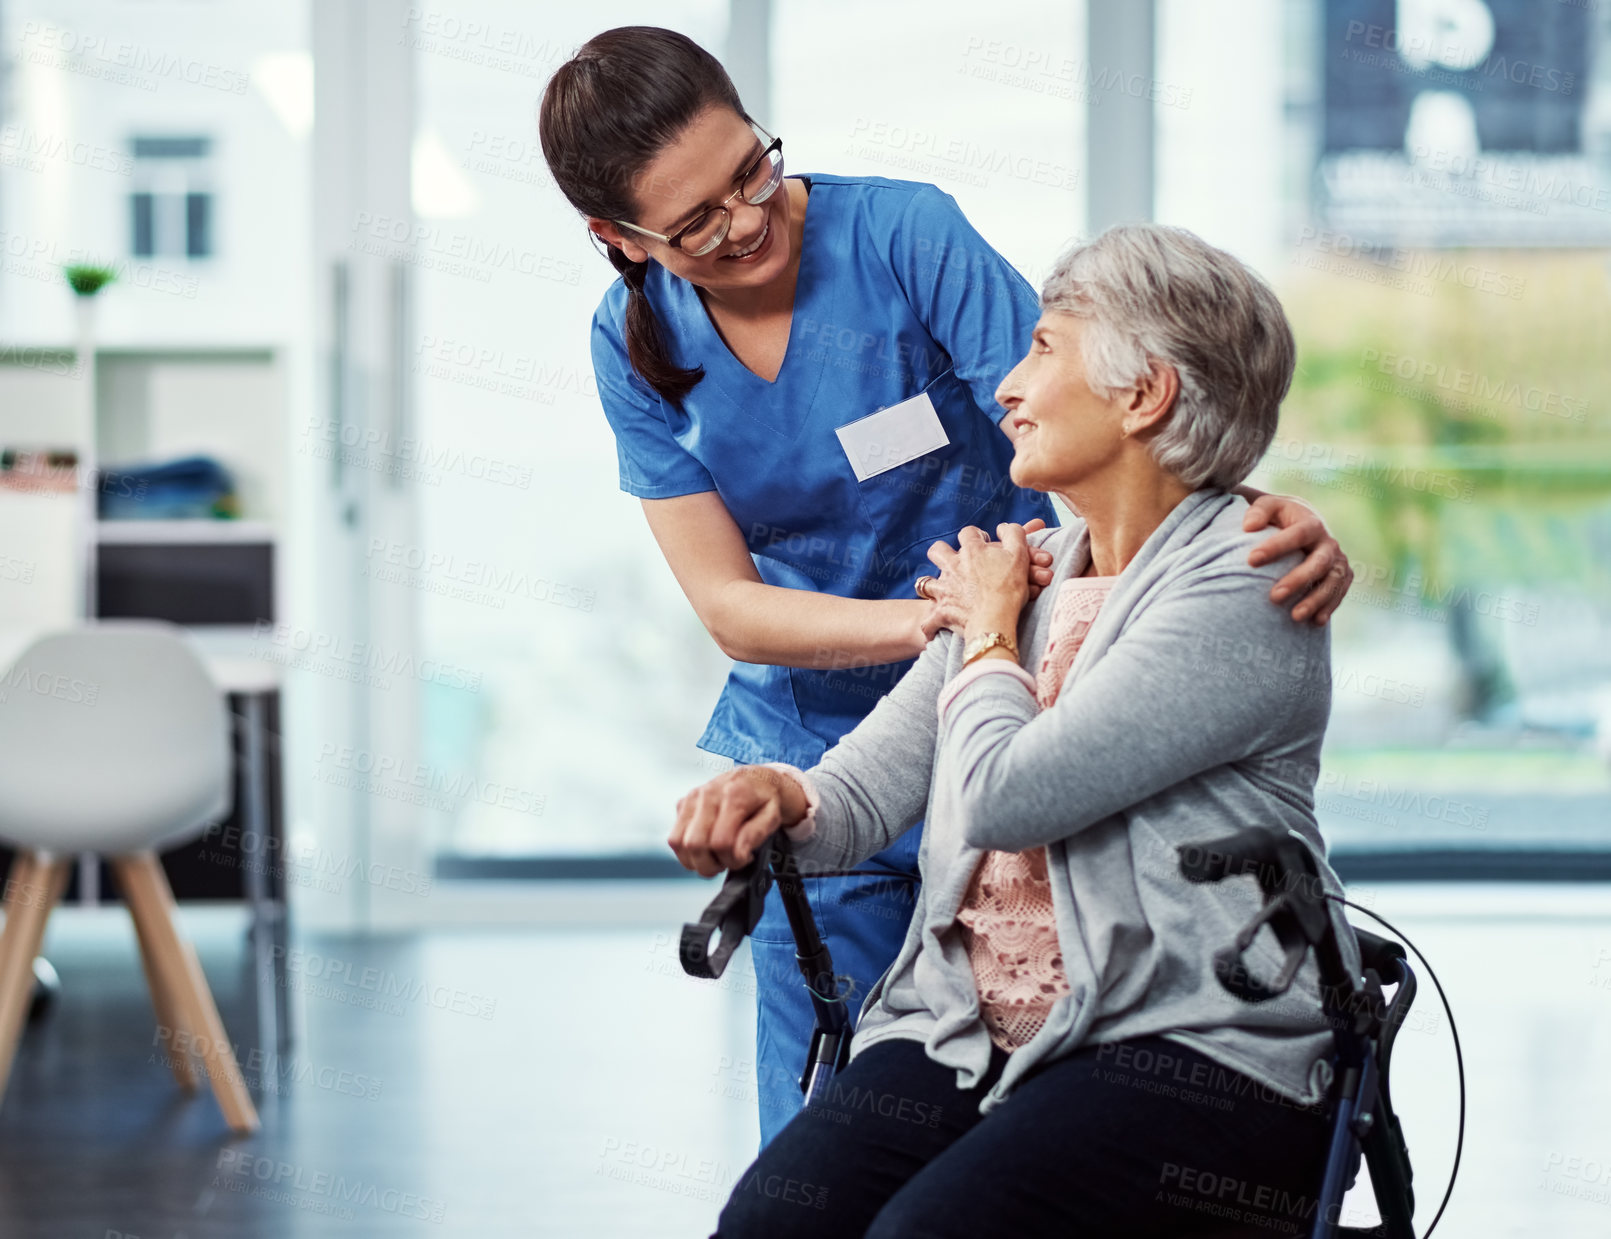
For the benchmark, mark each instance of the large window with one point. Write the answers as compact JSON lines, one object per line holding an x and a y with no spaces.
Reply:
{"x":1426,"y":184}
{"x":1441,"y":252}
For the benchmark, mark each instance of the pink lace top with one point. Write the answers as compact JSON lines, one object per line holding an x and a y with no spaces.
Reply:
{"x":1006,"y":915}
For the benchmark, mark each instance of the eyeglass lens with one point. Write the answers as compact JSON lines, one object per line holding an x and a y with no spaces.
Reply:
{"x":710,"y":228}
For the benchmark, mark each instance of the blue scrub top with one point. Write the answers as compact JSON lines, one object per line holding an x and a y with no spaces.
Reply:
{"x":897,"y":295}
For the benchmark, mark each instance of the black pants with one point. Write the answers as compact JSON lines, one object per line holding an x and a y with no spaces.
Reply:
{"x":1141,"y":1138}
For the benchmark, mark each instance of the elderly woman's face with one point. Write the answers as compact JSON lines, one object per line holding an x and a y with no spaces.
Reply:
{"x":1062,"y":431}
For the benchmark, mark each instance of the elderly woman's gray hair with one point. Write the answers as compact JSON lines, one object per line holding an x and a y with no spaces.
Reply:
{"x":1155,"y":294}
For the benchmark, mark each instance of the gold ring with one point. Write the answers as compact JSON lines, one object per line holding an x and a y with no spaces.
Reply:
{"x":922,"y":587}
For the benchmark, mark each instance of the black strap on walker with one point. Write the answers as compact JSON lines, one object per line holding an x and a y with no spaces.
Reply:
{"x":735,"y":912}
{"x":1294,"y":908}
{"x":1362,"y":1021}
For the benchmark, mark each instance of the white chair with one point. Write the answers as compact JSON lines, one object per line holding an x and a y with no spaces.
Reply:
{"x":114,"y":739}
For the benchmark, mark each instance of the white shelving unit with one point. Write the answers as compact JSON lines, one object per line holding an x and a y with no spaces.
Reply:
{"x":150,"y":404}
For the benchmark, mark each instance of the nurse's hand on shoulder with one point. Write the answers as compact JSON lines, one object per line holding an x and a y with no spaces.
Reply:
{"x":722,"y":822}
{"x":1315,"y":588}
{"x":957,"y":592}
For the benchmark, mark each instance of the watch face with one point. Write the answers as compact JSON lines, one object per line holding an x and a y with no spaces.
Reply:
{"x":986,"y":641}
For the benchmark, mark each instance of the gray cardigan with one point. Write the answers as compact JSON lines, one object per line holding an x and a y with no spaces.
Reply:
{"x":1195,"y":708}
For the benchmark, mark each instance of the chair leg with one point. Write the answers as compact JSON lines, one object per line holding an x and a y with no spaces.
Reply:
{"x":145,"y":890}
{"x":32,"y":889}
{"x":173,"y":1030}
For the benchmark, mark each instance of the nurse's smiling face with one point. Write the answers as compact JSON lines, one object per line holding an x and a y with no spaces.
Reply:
{"x":1065,"y":434}
{"x":701,"y":169}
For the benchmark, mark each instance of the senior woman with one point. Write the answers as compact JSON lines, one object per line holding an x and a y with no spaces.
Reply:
{"x":1051,"y":1054}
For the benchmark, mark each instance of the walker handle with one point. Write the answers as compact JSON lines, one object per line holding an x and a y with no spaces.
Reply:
{"x":735,"y":912}
{"x":1294,"y":904}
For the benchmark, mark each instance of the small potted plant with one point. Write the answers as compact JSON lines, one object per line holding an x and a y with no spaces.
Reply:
{"x":87,"y":279}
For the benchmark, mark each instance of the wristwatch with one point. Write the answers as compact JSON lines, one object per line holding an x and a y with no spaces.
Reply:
{"x":988,"y":641}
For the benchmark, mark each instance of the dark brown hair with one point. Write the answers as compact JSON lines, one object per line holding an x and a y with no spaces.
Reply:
{"x":623,"y":98}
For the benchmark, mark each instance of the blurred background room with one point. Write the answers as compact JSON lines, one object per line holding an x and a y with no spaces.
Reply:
{"x":294,"y":353}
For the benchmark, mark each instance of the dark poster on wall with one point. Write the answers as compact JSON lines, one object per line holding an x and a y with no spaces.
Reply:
{"x":1464,"y":122}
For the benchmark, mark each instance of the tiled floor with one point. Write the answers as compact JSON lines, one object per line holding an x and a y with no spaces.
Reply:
{"x":452,"y":1084}
{"x":576,"y":1084}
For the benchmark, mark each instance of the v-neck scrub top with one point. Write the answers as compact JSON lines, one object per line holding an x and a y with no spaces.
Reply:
{"x":897,"y":295}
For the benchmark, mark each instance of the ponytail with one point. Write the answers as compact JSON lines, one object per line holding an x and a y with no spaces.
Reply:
{"x":646,"y":348}
{"x":625,"y":96}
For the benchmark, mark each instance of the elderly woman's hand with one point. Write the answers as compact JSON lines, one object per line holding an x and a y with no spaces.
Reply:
{"x":985,"y":584}
{"x":722,"y":822}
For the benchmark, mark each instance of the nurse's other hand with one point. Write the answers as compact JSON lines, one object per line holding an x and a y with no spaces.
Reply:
{"x":722,"y":822}
{"x":1040,"y":562}
{"x":1315,"y":588}
{"x":952,"y":603}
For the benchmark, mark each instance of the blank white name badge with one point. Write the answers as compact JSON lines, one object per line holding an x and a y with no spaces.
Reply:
{"x":889,"y":438}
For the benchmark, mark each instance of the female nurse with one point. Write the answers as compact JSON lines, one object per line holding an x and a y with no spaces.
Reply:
{"x":800,"y":375}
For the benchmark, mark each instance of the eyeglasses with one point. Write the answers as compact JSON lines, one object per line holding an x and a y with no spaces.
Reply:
{"x":756,"y":184}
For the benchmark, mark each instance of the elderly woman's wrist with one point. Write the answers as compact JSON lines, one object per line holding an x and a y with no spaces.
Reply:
{"x":991,"y":619}
{"x":797,"y":799}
